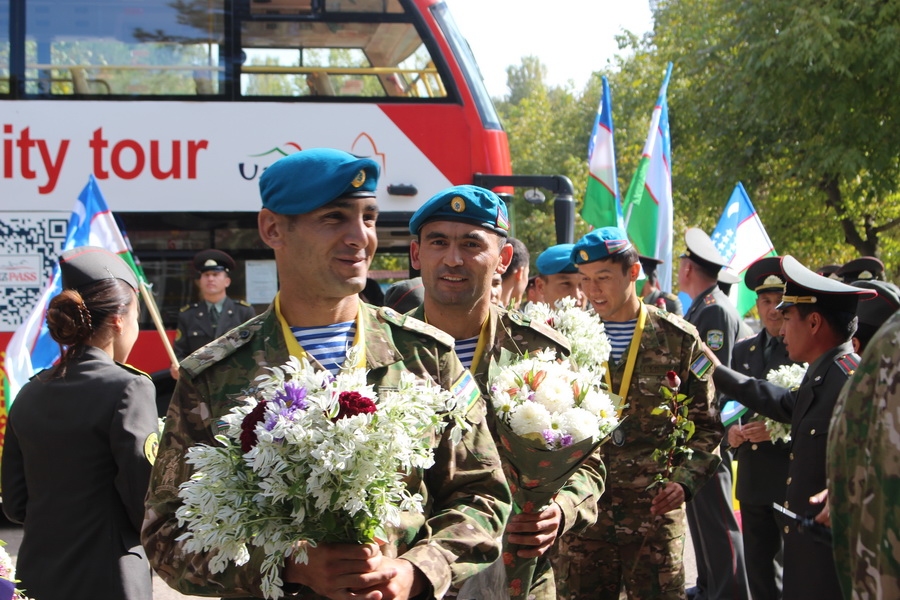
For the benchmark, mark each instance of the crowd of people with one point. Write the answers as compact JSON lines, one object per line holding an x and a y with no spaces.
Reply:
{"x":96,"y":484}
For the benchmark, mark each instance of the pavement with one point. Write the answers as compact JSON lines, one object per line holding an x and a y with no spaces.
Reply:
{"x":12,"y":535}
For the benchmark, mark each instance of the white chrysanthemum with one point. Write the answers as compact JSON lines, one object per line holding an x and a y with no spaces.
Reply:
{"x":580,"y":424}
{"x":787,"y":376}
{"x":587,"y":337}
{"x":7,"y":570}
{"x":529,"y":418}
{"x":555,"y":393}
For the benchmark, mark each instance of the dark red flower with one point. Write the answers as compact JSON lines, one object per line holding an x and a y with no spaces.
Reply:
{"x":248,"y":425}
{"x":673,"y":381}
{"x":354,"y":403}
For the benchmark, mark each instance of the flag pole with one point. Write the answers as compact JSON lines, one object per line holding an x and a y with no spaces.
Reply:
{"x":157,"y":320}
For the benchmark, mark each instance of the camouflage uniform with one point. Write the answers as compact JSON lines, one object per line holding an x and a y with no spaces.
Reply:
{"x":513,"y":331}
{"x":628,"y":545}
{"x":465,"y":493}
{"x":864,"y":471}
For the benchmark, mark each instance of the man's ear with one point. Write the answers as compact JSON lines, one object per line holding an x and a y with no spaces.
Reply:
{"x":634,"y":271}
{"x":270,"y":226}
{"x":414,"y":255}
{"x":506,"y":254}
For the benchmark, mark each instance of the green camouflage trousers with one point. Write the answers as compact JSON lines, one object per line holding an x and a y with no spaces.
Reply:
{"x":627,"y":547}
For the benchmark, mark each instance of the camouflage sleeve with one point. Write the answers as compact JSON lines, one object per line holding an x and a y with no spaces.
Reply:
{"x":186,"y":426}
{"x":697,"y":468}
{"x":765,"y":398}
{"x":578,"y":498}
{"x":471,"y":499}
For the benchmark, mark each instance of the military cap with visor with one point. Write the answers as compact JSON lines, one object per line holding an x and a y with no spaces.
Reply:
{"x":213,"y":260}
{"x":85,"y":265}
{"x":556,"y":259}
{"x":304,"y":181}
{"x":600,"y":244}
{"x":864,"y":268}
{"x":803,"y":286}
{"x":465,"y":204}
{"x":829,"y":271}
{"x":765,"y":275}
{"x":701,"y":250}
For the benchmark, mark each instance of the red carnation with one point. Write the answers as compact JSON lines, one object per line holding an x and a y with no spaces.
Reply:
{"x":248,"y":426}
{"x":354,"y":403}
{"x":673,"y":381}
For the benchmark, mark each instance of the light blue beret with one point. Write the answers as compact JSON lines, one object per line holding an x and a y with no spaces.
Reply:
{"x":556,"y":259}
{"x":465,"y":203}
{"x":599,"y":244}
{"x":309,"y":179}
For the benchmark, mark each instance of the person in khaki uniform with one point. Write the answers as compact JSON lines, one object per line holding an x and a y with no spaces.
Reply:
{"x":319,"y":217}
{"x":638,"y":540}
{"x":461,"y":242}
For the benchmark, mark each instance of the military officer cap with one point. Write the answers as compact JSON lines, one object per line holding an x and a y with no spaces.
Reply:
{"x":466,"y":204}
{"x":213,"y":260}
{"x":829,"y":271}
{"x":649,"y":264}
{"x":556,"y":259}
{"x":304,"y":181}
{"x":600,"y":244}
{"x":803,"y":286}
{"x":875,"y":310}
{"x":864,"y":268}
{"x":727,"y":277}
{"x":765,"y":275}
{"x":701,"y":250}
{"x":85,"y":265}
{"x":405,"y":295}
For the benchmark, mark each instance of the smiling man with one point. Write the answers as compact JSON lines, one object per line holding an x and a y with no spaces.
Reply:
{"x":638,"y":541}
{"x":819,"y":322}
{"x":461,"y":245}
{"x":318,"y":216}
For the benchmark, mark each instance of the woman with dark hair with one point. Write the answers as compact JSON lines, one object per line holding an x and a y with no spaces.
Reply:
{"x":79,"y":444}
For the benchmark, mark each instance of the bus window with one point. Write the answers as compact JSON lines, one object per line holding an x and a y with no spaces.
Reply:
{"x":107,"y":47}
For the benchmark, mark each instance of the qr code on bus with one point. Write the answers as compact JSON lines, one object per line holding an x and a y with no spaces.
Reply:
{"x":30,"y":245}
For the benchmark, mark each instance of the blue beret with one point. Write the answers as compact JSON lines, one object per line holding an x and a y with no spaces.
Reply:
{"x":599,"y":244}
{"x":466,"y":203}
{"x":304,"y":181}
{"x":556,"y":259}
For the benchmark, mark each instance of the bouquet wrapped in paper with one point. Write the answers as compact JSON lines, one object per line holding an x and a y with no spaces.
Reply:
{"x":549,"y":419}
{"x":310,"y":457}
{"x":786,"y":376}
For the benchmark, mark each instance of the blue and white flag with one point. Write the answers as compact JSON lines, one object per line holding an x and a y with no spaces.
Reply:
{"x":31,"y":349}
{"x":741,"y":240}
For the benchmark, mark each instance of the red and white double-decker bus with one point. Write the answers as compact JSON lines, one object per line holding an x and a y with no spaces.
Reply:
{"x":177,"y":106}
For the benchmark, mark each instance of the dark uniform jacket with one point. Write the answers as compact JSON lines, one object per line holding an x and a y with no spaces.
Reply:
{"x":465,"y":493}
{"x":716,"y":321}
{"x":763,"y":465}
{"x":195,"y":328}
{"x":75,"y":472}
{"x":809,"y":570}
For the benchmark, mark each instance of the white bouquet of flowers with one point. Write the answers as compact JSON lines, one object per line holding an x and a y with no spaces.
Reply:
{"x":8,"y":579}
{"x":549,"y":421}
{"x":583,"y":328}
{"x":311,"y":457}
{"x":786,"y":376}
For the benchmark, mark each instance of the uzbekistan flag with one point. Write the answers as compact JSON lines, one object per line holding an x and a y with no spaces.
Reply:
{"x":648,"y":202}
{"x":601,"y":199}
{"x":31,"y":349}
{"x":741,"y":240}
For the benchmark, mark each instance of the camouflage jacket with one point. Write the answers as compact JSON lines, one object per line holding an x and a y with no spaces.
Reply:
{"x":465,"y":494}
{"x":668,"y":343}
{"x":513,"y":331}
{"x":864,"y":471}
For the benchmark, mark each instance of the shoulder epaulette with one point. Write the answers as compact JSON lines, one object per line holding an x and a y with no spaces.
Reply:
{"x":523,"y":320}
{"x":677,"y":321}
{"x":244,"y":303}
{"x":709,"y":299}
{"x":670,"y":296}
{"x":133,"y":369}
{"x":221,"y":348}
{"x":847,"y":363}
{"x":185,"y":307}
{"x":412,"y":324}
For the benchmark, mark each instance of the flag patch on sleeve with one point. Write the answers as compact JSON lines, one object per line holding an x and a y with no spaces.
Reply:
{"x":700,"y":366}
{"x":466,"y":389}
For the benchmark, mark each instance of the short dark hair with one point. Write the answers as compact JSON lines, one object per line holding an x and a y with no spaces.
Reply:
{"x":626,"y":258}
{"x":843,"y":324}
{"x":520,"y":257}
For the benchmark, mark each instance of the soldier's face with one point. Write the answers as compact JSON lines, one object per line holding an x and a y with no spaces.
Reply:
{"x":561,"y":285}
{"x":214,"y":283}
{"x":325,"y":253}
{"x":458,"y":262}
{"x":610,"y":290}
{"x":770,"y":316}
{"x":798,"y":337}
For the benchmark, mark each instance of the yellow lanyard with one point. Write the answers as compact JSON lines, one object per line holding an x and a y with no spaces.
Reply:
{"x":632,"y":359}
{"x":295,"y":349}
